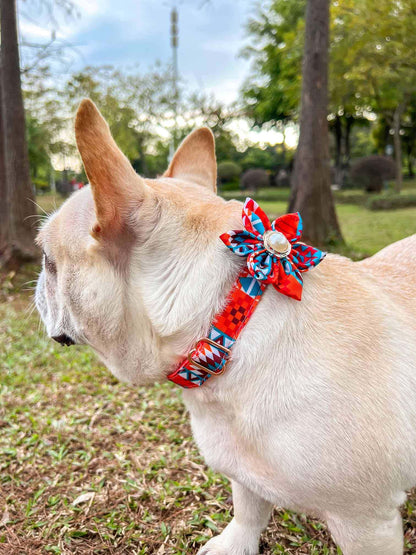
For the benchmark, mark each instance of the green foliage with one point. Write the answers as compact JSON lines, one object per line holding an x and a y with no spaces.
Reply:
{"x":268,"y":194}
{"x":200,"y":109}
{"x":267,"y":158}
{"x":363,"y":142}
{"x":232,"y":187}
{"x":228,"y":171}
{"x":377,"y":50}
{"x":126,"y":102}
{"x":409,"y":134}
{"x":138,"y":109}
{"x":41,"y":185}
{"x":272,"y":92}
{"x":225,"y":148}
{"x":155,"y":162}
{"x":372,"y":67}
{"x":39,"y":141}
{"x":46,"y":123}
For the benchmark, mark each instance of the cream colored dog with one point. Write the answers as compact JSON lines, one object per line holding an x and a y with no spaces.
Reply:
{"x":316,"y":411}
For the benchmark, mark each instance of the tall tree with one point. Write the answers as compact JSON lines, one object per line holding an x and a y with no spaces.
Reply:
{"x":311,"y":188}
{"x":272,"y":93}
{"x":379,"y":54}
{"x":20,"y":245}
{"x":4,"y":227}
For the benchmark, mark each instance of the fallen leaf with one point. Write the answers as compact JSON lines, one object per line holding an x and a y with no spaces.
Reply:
{"x":83,"y":498}
{"x":5,"y":518}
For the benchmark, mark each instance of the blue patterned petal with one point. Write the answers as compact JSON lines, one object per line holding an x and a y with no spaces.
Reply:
{"x":241,"y":243}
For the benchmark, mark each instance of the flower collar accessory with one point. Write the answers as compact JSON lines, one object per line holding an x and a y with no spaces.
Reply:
{"x":275,"y":255}
{"x":274,"y":251}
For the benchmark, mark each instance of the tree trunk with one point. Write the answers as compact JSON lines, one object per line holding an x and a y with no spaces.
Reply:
{"x":398,"y":147}
{"x":4,"y":202}
{"x":311,"y":189}
{"x":20,"y":245}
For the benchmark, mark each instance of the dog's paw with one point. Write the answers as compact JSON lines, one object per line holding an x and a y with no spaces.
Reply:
{"x":221,"y":545}
{"x":212,"y":549}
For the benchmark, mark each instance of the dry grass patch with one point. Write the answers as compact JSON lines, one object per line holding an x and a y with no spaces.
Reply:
{"x":90,"y":466}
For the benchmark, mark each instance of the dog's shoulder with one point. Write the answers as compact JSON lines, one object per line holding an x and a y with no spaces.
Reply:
{"x":394,"y":267}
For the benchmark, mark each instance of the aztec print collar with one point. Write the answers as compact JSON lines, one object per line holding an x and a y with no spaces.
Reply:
{"x":274,"y":255}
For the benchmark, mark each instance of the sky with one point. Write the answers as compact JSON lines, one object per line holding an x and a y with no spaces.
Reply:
{"x":124,"y":33}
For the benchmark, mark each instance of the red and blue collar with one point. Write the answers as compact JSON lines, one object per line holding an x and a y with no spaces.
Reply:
{"x":274,"y":255}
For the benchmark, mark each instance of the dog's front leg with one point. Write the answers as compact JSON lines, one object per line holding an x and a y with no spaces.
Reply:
{"x":242,"y":535}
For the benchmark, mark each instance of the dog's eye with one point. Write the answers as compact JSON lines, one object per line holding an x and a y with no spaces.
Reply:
{"x":49,"y":264}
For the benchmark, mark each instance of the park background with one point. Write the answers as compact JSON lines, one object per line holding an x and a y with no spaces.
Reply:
{"x":313,"y":106}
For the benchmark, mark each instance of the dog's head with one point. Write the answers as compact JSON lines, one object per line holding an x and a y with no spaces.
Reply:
{"x":132,"y":266}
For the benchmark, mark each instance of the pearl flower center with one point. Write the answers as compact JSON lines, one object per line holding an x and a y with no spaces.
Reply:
{"x":276,"y":243}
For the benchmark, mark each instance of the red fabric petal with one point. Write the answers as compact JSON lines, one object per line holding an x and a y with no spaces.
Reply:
{"x":254,"y":219}
{"x":290,"y":281}
{"x":290,"y":225}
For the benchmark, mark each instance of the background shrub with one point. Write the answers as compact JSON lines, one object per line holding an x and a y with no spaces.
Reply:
{"x":370,"y":172}
{"x":228,"y":171}
{"x":390,"y":202}
{"x":254,"y":179}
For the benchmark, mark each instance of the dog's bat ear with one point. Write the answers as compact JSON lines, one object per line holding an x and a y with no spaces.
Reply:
{"x":115,"y":185}
{"x":194,"y":161}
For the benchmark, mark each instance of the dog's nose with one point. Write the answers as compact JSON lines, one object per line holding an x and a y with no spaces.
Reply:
{"x":64,"y":339}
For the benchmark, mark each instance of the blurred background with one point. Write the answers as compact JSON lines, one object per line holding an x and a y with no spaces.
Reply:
{"x":313,"y":107}
{"x":158,"y":69}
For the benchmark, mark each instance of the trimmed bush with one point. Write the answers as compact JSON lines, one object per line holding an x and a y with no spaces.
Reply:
{"x":230,"y":186}
{"x":391,"y":202}
{"x":254,"y":179}
{"x":41,"y":185}
{"x":372,"y":171}
{"x":228,"y":171}
{"x":341,"y":197}
{"x":271,"y":194}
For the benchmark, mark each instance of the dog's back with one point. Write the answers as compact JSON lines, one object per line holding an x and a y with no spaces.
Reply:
{"x":394,"y":269}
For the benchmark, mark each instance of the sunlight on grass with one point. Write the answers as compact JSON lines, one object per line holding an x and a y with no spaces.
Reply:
{"x":369,"y":231}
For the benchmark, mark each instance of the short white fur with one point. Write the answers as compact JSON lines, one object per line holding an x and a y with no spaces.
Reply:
{"x":316,"y":411}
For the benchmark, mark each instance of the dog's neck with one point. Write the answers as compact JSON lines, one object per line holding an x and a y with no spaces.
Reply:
{"x":183,"y":282}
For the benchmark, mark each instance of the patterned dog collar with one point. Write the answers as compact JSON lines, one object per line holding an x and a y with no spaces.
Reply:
{"x":274,"y":255}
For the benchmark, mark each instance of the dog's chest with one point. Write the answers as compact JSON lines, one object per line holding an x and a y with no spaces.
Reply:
{"x":237,"y":450}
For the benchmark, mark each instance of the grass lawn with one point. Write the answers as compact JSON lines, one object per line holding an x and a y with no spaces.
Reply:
{"x":88,"y":465}
{"x":91,"y":466}
{"x":365,"y":231}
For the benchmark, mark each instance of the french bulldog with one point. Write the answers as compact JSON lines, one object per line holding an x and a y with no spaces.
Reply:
{"x":316,"y":411}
